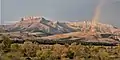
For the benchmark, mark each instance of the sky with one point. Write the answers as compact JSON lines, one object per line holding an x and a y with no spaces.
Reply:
{"x":0,"y":11}
{"x":60,"y":10}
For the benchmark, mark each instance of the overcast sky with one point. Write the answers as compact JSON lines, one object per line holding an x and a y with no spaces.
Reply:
{"x":60,"y":10}
{"x":0,"y":11}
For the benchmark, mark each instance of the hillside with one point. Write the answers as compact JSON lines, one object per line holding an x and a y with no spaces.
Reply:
{"x":40,"y":24}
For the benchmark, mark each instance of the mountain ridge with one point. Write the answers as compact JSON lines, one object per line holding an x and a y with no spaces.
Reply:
{"x":36,"y":23}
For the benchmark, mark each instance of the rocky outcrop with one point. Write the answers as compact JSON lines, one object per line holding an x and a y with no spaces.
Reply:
{"x":40,"y":24}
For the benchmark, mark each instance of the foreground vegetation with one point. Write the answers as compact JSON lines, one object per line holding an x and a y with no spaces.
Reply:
{"x":34,"y":51}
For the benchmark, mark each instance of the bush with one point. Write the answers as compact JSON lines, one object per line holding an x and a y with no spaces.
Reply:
{"x":29,"y":49}
{"x":5,"y":45}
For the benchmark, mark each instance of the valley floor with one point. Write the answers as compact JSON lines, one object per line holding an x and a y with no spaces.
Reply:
{"x":35,"y":51}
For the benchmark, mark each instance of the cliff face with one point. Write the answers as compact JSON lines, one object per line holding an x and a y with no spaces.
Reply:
{"x":39,"y":24}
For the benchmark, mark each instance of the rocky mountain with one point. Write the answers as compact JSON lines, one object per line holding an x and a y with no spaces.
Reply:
{"x":38,"y":29}
{"x":40,"y":24}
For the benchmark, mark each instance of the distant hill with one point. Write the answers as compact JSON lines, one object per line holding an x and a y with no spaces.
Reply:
{"x":40,"y":24}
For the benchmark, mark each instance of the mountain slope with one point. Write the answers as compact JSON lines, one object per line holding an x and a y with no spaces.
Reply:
{"x":39,"y":24}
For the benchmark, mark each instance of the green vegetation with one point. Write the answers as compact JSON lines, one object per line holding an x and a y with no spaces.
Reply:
{"x":35,"y":51}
